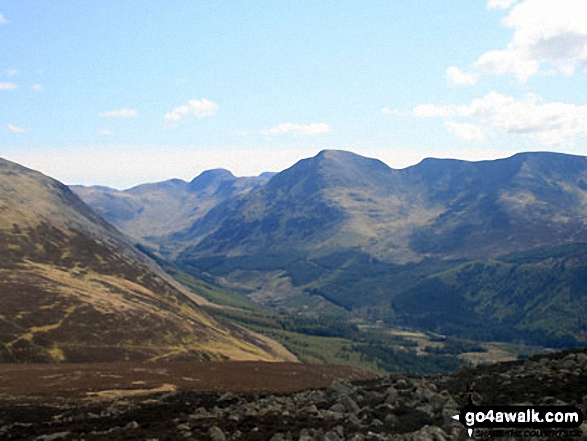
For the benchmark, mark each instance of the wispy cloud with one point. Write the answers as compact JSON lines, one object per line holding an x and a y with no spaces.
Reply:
{"x":395,"y":112}
{"x":455,"y":76}
{"x":8,"y":86}
{"x":432,"y":111}
{"x":549,"y":123}
{"x":123,"y":113}
{"x":199,"y":108}
{"x":37,"y":87}
{"x":16,"y":129}
{"x":466,"y":131}
{"x":106,"y":133}
{"x":3,"y":20}
{"x":12,"y":72}
{"x":239,"y":133}
{"x":299,"y":129}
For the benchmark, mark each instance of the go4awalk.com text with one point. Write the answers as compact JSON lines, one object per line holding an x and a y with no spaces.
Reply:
{"x":542,"y":421}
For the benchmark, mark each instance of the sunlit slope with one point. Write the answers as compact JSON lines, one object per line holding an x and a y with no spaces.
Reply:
{"x":73,"y":289}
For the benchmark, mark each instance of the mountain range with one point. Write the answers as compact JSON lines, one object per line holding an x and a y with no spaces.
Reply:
{"x":492,"y":248}
{"x":73,"y":288}
{"x":148,"y":213}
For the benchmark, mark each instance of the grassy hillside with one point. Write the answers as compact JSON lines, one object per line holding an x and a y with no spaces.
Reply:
{"x":73,"y":289}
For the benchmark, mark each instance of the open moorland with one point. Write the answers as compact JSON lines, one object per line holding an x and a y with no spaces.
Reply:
{"x":272,"y":401}
{"x":90,"y":382}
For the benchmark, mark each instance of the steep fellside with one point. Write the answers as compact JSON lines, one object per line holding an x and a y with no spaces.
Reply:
{"x":336,"y":200}
{"x":72,"y":288}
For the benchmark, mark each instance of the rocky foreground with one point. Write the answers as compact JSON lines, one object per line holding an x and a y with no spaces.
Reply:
{"x":395,"y":407}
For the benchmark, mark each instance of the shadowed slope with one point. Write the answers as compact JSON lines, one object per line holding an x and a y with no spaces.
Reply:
{"x":438,"y":208}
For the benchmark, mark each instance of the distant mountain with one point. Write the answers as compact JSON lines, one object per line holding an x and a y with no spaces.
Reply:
{"x":343,"y":232}
{"x":150,"y":212}
{"x":73,"y":289}
{"x":438,"y":208}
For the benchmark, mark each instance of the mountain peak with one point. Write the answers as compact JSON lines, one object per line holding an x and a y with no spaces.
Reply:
{"x":210,"y":179}
{"x":333,"y":168}
{"x":335,"y":154}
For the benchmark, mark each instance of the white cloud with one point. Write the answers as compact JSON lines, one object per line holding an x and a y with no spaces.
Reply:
{"x":3,"y":20}
{"x":466,"y":131}
{"x":8,"y":86}
{"x":546,"y":32}
{"x":200,"y":108}
{"x":500,"y":4}
{"x":16,"y":129}
{"x":549,"y":123}
{"x":432,"y":111}
{"x":124,"y":113}
{"x":12,"y":72}
{"x":304,"y":130}
{"x":508,"y":61}
{"x":106,"y":133}
{"x":455,"y":76}
{"x":37,"y":87}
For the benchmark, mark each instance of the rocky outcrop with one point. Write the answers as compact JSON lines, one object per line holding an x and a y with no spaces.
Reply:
{"x":396,"y":407}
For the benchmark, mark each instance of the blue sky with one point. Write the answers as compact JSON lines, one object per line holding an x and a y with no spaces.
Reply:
{"x":123,"y":92}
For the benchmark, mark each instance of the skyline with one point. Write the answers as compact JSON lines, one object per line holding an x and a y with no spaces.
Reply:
{"x":123,"y":93}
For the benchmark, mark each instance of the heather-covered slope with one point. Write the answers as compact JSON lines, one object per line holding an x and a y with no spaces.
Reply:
{"x":397,"y":407}
{"x":73,"y":289}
